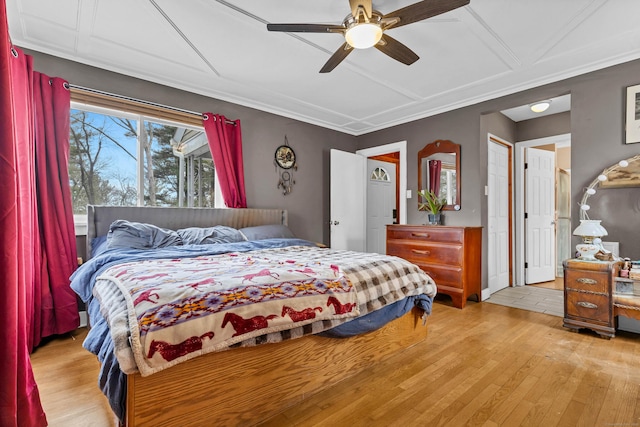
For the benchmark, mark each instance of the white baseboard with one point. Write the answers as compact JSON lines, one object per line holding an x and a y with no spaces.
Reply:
{"x":486,"y":293}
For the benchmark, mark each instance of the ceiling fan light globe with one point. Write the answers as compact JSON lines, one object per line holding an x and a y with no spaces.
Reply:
{"x":363,"y":36}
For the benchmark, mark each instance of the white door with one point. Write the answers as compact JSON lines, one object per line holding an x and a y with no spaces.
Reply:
{"x":540,"y":256}
{"x":498,"y":217}
{"x":381,"y":202}
{"x":347,"y":201}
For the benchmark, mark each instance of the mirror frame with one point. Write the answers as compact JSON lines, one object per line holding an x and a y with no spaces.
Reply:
{"x":442,"y":146}
{"x":604,"y":180}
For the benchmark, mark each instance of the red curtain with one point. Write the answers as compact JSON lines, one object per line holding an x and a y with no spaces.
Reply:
{"x":434,"y":176}
{"x":225,"y":142}
{"x":36,"y":226}
{"x":19,"y":397}
{"x":58,"y":304}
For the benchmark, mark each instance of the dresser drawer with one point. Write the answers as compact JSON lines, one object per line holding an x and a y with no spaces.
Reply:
{"x":588,"y":306}
{"x":427,"y":234}
{"x":426,"y":253}
{"x":447,"y":276}
{"x":587,"y":280}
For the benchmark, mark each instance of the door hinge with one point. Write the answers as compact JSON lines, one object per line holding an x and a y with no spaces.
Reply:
{"x":526,"y":265}
{"x":526,"y":215}
{"x":526,"y":165}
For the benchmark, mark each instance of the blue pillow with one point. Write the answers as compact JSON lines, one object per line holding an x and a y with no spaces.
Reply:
{"x":271,"y":231}
{"x":137,"y":235}
{"x":98,"y":245}
{"x":216,"y":234}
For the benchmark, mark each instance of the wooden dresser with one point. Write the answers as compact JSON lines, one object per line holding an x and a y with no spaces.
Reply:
{"x":450,"y":255}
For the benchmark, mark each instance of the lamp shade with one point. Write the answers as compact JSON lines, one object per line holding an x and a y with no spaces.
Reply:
{"x":590,"y":228}
{"x":591,"y":231}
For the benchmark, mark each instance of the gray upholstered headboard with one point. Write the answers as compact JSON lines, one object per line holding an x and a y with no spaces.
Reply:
{"x":99,"y":218}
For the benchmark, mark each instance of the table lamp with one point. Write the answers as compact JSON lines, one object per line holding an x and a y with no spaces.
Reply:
{"x":591,"y":231}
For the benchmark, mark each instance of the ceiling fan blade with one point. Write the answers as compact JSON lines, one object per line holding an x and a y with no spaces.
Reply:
{"x":423,"y":10}
{"x":366,"y":5}
{"x":306,"y":28}
{"x":337,"y":58}
{"x":392,"y":47}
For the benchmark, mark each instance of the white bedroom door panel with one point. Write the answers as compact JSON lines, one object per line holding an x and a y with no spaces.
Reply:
{"x":540,"y":219}
{"x":348,"y":201}
{"x":381,"y":202}
{"x":498,"y":217}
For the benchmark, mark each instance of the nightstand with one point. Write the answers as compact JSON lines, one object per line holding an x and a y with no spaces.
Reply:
{"x":588,"y":296}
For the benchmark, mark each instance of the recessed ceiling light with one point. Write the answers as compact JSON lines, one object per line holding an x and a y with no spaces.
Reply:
{"x":540,"y":106}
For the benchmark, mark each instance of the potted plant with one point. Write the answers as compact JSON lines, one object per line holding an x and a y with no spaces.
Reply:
{"x":433,"y":204}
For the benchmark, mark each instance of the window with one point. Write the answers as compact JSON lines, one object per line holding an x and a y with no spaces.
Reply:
{"x":130,"y":159}
{"x":379,"y":174}
{"x":448,"y":183}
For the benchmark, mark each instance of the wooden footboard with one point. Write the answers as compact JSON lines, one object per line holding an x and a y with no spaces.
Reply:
{"x":247,"y":385}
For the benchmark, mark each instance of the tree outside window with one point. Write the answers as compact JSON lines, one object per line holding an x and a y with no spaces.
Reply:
{"x":127,"y":160}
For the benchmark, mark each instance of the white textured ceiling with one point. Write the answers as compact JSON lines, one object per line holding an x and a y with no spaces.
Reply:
{"x":222,"y":49}
{"x":557,"y":105}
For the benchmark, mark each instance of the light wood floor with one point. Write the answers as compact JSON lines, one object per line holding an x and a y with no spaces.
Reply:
{"x":558,"y":283}
{"x":486,"y":365}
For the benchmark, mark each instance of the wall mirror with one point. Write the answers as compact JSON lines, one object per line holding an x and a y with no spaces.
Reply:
{"x":439,"y":171}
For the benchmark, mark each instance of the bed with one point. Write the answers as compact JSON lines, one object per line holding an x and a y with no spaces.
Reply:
{"x":356,"y":309}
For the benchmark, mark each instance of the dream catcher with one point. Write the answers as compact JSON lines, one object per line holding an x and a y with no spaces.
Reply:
{"x":285,"y":160}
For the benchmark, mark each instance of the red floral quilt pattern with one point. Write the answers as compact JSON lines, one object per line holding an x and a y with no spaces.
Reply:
{"x":181,"y":308}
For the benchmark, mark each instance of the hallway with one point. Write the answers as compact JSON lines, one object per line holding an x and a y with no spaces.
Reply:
{"x":547,"y":297}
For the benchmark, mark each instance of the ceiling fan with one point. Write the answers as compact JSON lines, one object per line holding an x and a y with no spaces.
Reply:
{"x":365,"y":27}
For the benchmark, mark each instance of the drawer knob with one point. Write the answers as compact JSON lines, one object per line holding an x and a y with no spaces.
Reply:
{"x":419,"y":252}
{"x":425,"y":235}
{"x":587,"y":281}
{"x":587,"y":304}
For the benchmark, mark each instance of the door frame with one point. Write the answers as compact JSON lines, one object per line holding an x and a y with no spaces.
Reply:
{"x":401,"y":147}
{"x":562,"y":140}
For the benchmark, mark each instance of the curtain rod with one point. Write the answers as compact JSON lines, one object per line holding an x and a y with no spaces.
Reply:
{"x":152,"y":104}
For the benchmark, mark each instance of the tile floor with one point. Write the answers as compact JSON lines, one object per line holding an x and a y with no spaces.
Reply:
{"x":532,"y":298}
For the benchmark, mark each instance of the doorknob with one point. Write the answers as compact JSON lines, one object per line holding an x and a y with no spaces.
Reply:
{"x":334,"y":222}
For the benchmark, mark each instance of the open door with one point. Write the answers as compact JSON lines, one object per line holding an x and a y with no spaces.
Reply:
{"x":348,"y":201}
{"x":540,"y":209}
{"x":499,"y":215}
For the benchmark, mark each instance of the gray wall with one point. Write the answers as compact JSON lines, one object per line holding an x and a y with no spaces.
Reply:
{"x":460,"y":126}
{"x":555,"y":124}
{"x":596,"y":125}
{"x":597,"y":129}
{"x":262,"y":133}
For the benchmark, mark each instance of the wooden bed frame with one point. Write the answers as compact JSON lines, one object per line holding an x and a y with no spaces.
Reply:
{"x":245,"y":386}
